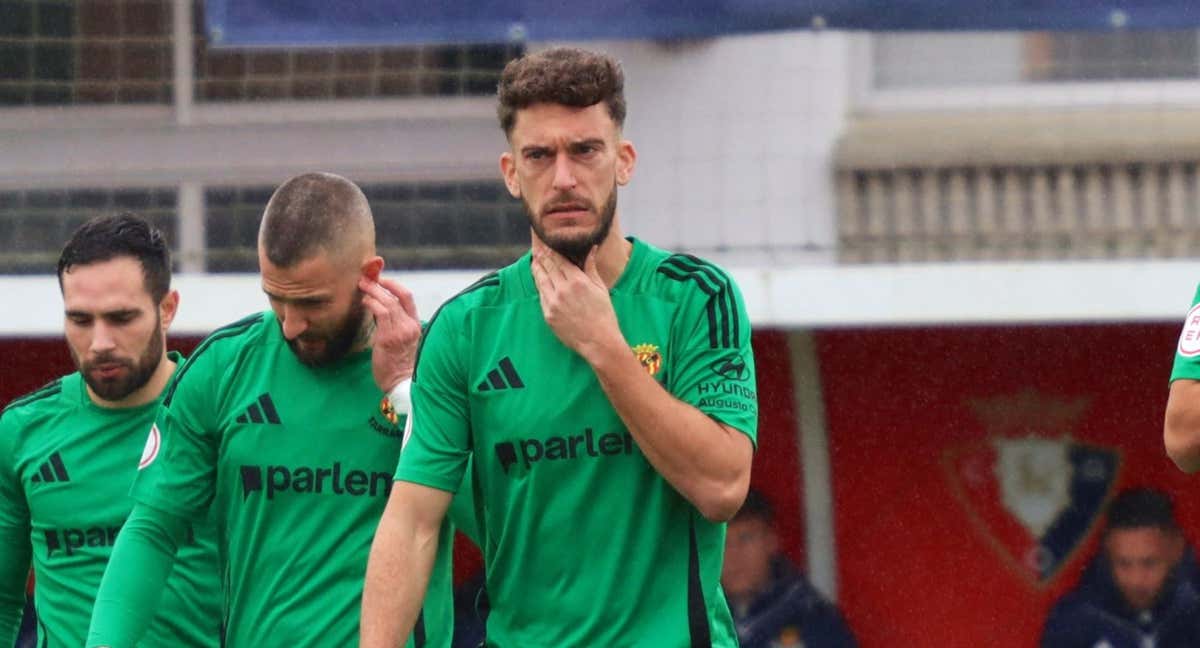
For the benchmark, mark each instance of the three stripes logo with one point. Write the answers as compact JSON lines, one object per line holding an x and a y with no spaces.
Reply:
{"x":262,"y":411}
{"x":503,"y":377}
{"x":52,"y":471}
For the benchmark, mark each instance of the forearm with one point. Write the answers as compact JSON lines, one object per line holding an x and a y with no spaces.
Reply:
{"x":398,"y":571}
{"x":137,"y":572}
{"x":14,"y":573}
{"x":1181,"y":425}
{"x":708,"y":463}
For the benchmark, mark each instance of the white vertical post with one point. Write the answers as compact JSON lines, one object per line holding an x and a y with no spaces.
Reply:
{"x":191,"y":227}
{"x":190,"y":198}
{"x":812,"y":437}
{"x":184,"y":60}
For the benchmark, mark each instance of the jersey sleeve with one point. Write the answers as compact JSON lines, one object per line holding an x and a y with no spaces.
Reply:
{"x":15,"y":551}
{"x":1187,"y":352}
{"x":177,"y":472}
{"x":711,"y":361}
{"x":137,"y":572}
{"x":437,"y":439}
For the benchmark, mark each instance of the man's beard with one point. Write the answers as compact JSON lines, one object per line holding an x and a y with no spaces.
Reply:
{"x":575,"y":248}
{"x":338,"y":343}
{"x":138,"y":372}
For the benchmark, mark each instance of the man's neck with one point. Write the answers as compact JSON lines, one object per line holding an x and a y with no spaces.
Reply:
{"x":613,"y":255}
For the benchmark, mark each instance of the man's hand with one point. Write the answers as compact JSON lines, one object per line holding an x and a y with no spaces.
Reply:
{"x":397,"y":330}
{"x":575,"y":302}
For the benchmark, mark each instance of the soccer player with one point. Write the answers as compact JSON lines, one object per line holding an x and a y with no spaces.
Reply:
{"x":1140,"y":591}
{"x":278,"y":423}
{"x":604,"y":389}
{"x":69,"y":451}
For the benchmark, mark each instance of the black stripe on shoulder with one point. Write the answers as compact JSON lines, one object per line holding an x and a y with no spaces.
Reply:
{"x":52,"y":388}
{"x":724,"y":326}
{"x":487,"y":280}
{"x":229,"y":330}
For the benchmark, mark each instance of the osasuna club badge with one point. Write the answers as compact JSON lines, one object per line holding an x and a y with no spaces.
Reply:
{"x":150,"y":451}
{"x":649,"y":356}
{"x":1033,"y":492}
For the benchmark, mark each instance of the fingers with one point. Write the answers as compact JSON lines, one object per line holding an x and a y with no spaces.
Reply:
{"x":402,"y":294}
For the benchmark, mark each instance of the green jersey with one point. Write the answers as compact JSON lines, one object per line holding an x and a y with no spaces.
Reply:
{"x":66,"y":465}
{"x":296,"y":464}
{"x":585,"y":544}
{"x":1187,"y":354}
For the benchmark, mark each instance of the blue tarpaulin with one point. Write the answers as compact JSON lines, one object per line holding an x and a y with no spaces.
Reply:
{"x":249,"y":23}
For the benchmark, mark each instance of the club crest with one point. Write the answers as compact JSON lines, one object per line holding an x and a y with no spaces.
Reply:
{"x":389,"y":412}
{"x":649,"y":356}
{"x":1031,"y":490}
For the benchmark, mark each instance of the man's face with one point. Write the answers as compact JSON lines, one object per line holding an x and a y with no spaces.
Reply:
{"x":114,"y":329}
{"x":318,"y":305}
{"x":1142,"y":558}
{"x":565,"y":165}
{"x":750,"y":544}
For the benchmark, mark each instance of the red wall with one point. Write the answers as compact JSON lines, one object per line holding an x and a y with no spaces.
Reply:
{"x":915,"y":568}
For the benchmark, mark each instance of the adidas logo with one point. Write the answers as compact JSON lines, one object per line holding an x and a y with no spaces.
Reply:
{"x":53,"y":470}
{"x":261,"y":412}
{"x":505,"y":377}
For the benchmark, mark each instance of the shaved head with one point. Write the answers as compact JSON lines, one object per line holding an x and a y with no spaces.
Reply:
{"x":314,"y":213}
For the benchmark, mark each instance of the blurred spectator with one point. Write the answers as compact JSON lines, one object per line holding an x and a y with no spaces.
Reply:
{"x":773,"y":605}
{"x":1140,"y":591}
{"x":470,"y":612}
{"x":27,"y":635}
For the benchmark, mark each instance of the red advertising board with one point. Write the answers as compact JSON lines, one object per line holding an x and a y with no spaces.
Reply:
{"x":971,"y":466}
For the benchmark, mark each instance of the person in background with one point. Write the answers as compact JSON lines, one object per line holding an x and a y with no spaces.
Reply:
{"x":773,"y":605}
{"x":1140,"y":591}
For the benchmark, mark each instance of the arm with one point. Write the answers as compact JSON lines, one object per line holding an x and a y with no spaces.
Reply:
{"x":400,"y":563}
{"x":1181,"y":426}
{"x":15,"y":550}
{"x":14,"y":573}
{"x":706,"y":461}
{"x":135,"y":577}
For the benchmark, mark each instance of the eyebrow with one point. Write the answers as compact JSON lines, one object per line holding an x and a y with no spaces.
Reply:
{"x":111,"y":313}
{"x":589,"y":141}
{"x":292,"y":300}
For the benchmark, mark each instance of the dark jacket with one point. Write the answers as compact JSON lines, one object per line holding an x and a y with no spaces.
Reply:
{"x":1095,"y":612}
{"x":790,"y":609}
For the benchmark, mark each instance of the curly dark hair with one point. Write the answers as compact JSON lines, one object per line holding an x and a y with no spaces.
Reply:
{"x":562,"y":75}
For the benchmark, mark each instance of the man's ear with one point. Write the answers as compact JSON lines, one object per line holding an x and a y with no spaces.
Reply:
{"x":626,"y":161}
{"x":167,"y":308}
{"x":372,"y":268}
{"x":508,"y":171}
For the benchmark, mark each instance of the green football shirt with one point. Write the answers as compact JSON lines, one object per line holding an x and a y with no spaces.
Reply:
{"x":585,"y":544}
{"x":66,"y":466}
{"x":296,"y":462}
{"x":1187,"y":353}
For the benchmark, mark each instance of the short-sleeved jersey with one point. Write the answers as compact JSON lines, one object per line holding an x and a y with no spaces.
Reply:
{"x":585,"y":544}
{"x":66,"y":466}
{"x":296,"y":462}
{"x":1187,"y":353}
